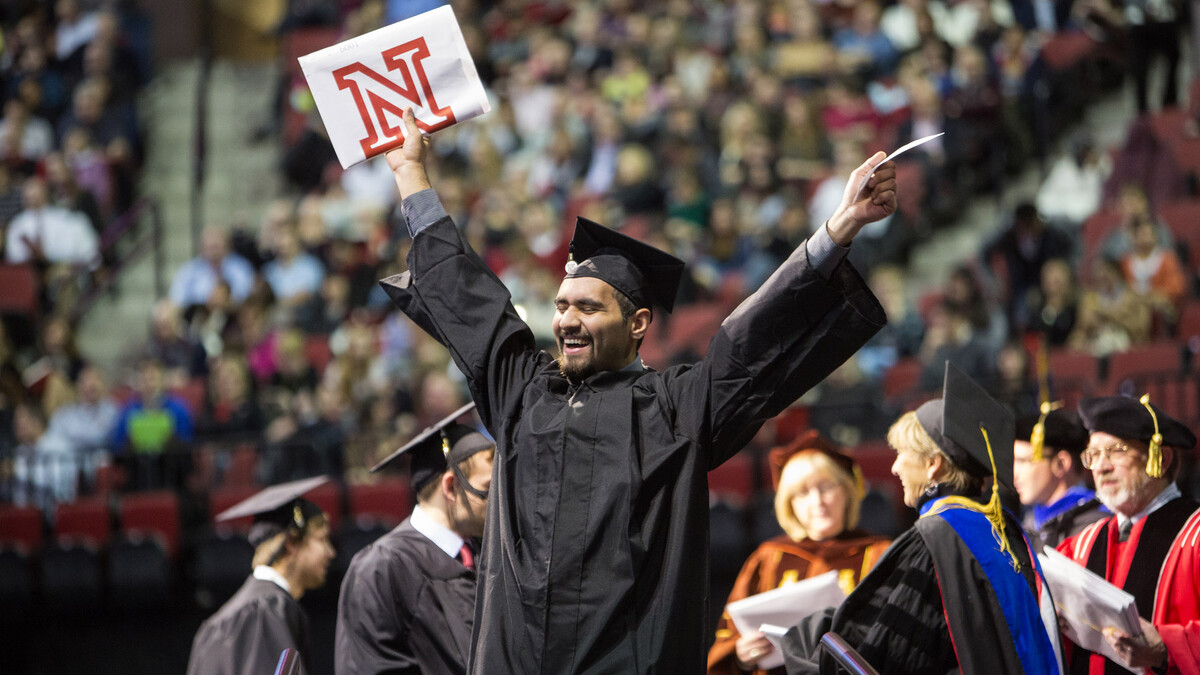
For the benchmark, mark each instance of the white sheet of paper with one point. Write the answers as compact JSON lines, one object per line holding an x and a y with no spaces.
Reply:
{"x":783,"y":608}
{"x":896,"y":153}
{"x":363,"y":85}
{"x":1088,"y":604}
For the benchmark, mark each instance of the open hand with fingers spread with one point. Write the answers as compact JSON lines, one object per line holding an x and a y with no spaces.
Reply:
{"x":408,"y":161}
{"x":876,"y":200}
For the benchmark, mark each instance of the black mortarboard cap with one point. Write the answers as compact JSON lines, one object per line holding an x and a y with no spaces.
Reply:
{"x":954,"y":423}
{"x":277,"y":508}
{"x":1128,"y":418}
{"x":1064,"y":430}
{"x":430,"y":454}
{"x":646,"y":275}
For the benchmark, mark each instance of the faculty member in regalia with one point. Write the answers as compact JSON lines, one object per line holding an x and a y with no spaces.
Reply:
{"x":1149,"y":546}
{"x":960,"y":589}
{"x":408,"y":599}
{"x":247,"y":635}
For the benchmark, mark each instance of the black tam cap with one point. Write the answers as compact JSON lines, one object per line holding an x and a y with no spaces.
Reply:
{"x":440,"y":446}
{"x":646,"y":275}
{"x":954,"y":423}
{"x":277,"y":509}
{"x":1128,"y":418}
{"x":1064,"y":431}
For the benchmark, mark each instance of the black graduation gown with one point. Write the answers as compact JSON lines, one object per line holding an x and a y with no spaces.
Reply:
{"x":405,"y":607}
{"x":925,"y":596}
{"x":249,"y":632}
{"x":595,"y":555}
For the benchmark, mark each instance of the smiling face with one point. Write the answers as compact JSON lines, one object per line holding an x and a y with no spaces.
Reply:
{"x":915,"y":472}
{"x":818,"y":501}
{"x":589,"y":330}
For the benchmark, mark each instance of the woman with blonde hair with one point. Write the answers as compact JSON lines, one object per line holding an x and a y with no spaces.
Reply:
{"x":961,"y":590}
{"x":819,"y":491}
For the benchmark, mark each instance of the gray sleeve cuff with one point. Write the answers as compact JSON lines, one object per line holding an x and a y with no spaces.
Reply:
{"x":823,"y":252}
{"x":422,"y":210}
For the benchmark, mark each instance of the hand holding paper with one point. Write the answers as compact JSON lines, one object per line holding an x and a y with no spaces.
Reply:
{"x":362,"y":86}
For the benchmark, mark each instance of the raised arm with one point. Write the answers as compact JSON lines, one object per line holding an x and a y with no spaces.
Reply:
{"x":811,"y":315}
{"x":450,"y":293}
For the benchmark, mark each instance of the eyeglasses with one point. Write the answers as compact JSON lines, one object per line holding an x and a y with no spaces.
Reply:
{"x":822,"y":490}
{"x":1117,"y":454}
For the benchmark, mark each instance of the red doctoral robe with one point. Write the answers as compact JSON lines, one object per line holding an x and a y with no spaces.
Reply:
{"x":1160,"y":566}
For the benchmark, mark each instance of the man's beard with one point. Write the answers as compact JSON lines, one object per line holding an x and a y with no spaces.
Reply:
{"x":1127,"y":499}
{"x":577,"y":371}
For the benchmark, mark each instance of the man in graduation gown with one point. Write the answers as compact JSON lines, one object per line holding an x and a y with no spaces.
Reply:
{"x":1149,"y":546}
{"x":1048,"y":476}
{"x":408,"y":599}
{"x":595,"y":550}
{"x":292,"y":552}
{"x":959,"y":591}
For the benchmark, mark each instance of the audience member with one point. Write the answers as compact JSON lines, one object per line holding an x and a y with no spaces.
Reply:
{"x":1154,"y":271}
{"x":1023,"y":248}
{"x":196,"y":280}
{"x":1052,"y":309}
{"x":1111,"y":317}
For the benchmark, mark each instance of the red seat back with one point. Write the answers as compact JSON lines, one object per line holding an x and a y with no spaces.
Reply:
{"x":20,"y":286}
{"x":88,"y":519}
{"x":153,"y":512}
{"x":21,"y":526}
{"x":222,"y":499}
{"x":388,"y":501}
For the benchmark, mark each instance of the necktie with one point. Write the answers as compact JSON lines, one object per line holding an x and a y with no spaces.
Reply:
{"x":466,"y":556}
{"x":1125,"y":529}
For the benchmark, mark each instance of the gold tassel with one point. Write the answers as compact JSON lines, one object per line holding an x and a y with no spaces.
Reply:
{"x":1154,"y":466}
{"x":445,"y":446}
{"x":993,"y":510}
{"x":1038,"y":438}
{"x":859,"y":483}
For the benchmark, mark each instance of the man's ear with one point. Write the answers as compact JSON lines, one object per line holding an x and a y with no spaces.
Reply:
{"x":639,"y":323}
{"x":1061,"y":463}
{"x":447,"y":485}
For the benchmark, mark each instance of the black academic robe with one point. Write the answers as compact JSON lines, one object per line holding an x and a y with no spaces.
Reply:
{"x":249,"y":632}
{"x":926,"y":608}
{"x":595,"y":549}
{"x":405,"y":607}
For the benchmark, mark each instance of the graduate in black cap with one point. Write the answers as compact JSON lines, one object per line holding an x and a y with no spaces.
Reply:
{"x":408,"y":599}
{"x":1048,"y":475}
{"x":960,"y":589}
{"x":1149,"y":547}
{"x":595,"y":554}
{"x":290,"y":536}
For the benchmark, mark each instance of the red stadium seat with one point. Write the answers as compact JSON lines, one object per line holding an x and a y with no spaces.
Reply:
{"x":21,"y":526}
{"x":388,"y":501}
{"x":791,"y":423}
{"x":902,"y":378}
{"x":154,"y":513}
{"x":692,"y":327}
{"x":1073,"y":375}
{"x":1189,"y":329}
{"x":87,"y":519}
{"x":1094,"y":232}
{"x":20,"y":284}
{"x":223,"y":498}
{"x":1153,"y":359}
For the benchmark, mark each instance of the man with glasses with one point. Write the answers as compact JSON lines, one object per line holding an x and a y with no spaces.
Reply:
{"x":1048,"y":476}
{"x":1150,"y":546}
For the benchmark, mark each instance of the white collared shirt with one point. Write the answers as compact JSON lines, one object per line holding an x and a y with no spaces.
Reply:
{"x":1171,"y":492}
{"x":268,"y":573}
{"x":442,"y":536}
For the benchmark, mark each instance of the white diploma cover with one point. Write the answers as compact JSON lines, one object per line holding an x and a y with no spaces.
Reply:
{"x":363,"y":85}
{"x":775,"y":611}
{"x":1088,"y":604}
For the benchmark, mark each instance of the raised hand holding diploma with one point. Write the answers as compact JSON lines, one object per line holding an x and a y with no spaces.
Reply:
{"x":363,"y":86}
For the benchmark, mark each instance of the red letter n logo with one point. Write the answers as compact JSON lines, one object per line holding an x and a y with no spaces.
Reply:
{"x":380,"y":100}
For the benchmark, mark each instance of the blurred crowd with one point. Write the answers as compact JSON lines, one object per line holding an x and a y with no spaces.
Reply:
{"x":720,"y":131}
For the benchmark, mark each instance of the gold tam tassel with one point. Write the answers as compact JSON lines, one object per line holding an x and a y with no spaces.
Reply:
{"x":1154,"y":466}
{"x":993,"y":510}
{"x":1038,"y":438}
